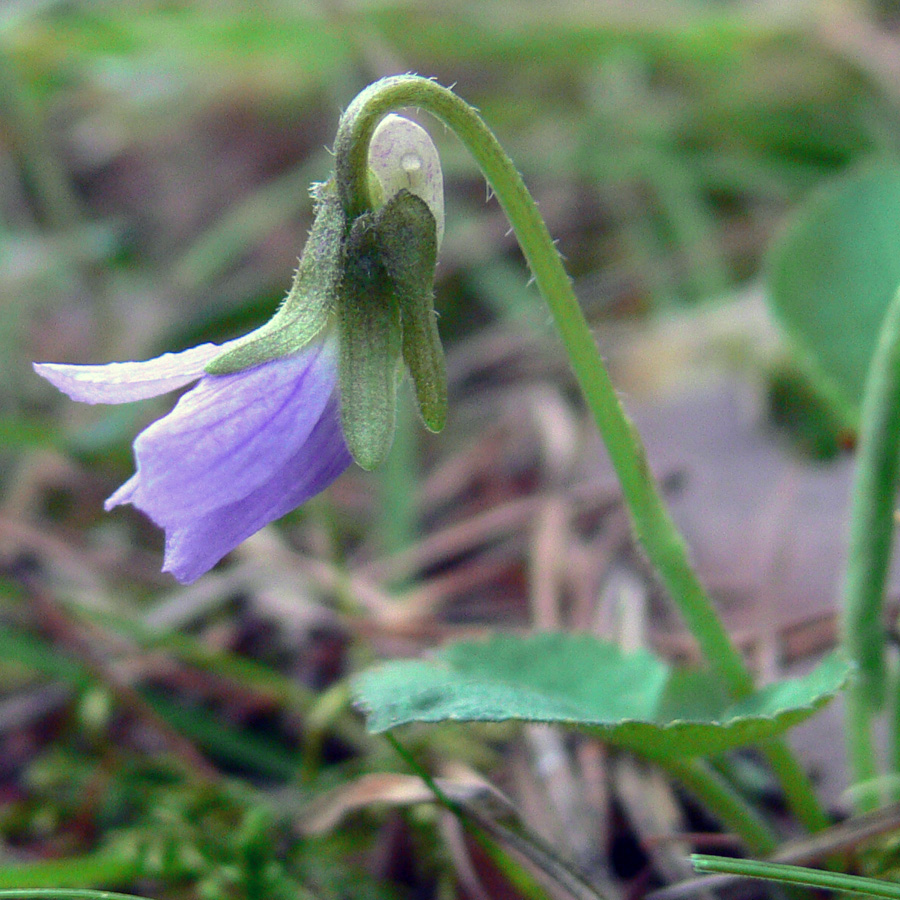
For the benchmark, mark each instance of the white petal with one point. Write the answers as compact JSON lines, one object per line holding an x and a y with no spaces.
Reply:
{"x":123,"y":382}
{"x":403,"y":155}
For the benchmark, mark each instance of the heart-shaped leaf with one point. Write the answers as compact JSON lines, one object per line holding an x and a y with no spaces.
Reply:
{"x":832,"y":275}
{"x":631,"y":700}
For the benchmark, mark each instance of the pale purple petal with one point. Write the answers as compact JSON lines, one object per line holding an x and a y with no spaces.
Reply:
{"x":125,"y":494}
{"x":236,"y":452}
{"x":123,"y":382}
{"x":195,"y":545}
{"x":225,"y":437}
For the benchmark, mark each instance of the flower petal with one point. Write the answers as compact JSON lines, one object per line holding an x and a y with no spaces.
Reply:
{"x":125,"y":494}
{"x":123,"y":382}
{"x":225,"y":437}
{"x":195,"y":545}
{"x":403,"y":155}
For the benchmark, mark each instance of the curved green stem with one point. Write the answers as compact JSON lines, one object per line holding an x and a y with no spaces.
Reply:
{"x":650,"y":518}
{"x":869,"y":550}
{"x":649,"y":515}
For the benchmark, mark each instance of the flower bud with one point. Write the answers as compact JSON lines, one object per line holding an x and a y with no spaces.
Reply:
{"x":385,"y":300}
{"x":402,"y":155}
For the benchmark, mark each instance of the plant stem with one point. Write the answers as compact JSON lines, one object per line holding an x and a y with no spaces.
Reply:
{"x":650,"y":518}
{"x":799,"y":875}
{"x":723,"y":801}
{"x":798,"y":790}
{"x":893,"y":728}
{"x":869,"y":550}
{"x":399,"y":482}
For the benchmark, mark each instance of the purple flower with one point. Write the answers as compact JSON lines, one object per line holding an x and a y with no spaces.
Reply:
{"x":269,"y":423}
{"x":237,"y":452}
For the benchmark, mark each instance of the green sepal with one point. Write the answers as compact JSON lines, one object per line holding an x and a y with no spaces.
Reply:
{"x":310,"y":301}
{"x":369,"y":364}
{"x":407,"y":239}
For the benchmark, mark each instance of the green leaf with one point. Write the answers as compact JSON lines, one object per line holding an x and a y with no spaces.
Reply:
{"x":310,"y":301}
{"x":408,"y":242}
{"x":631,"y":700}
{"x":832,"y":275}
{"x":369,"y":365}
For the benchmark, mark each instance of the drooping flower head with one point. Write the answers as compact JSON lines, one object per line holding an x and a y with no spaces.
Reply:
{"x":277,"y":415}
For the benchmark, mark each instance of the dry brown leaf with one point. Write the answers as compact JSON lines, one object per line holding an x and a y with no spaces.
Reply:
{"x":394,"y":789}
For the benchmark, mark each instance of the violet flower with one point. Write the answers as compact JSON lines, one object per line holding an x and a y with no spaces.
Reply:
{"x":237,"y":451}
{"x":278,"y":414}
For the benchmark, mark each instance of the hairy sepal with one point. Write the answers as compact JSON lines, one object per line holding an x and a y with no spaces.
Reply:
{"x":407,"y":241}
{"x":403,"y":156}
{"x":305,"y":311}
{"x":370,"y":346}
